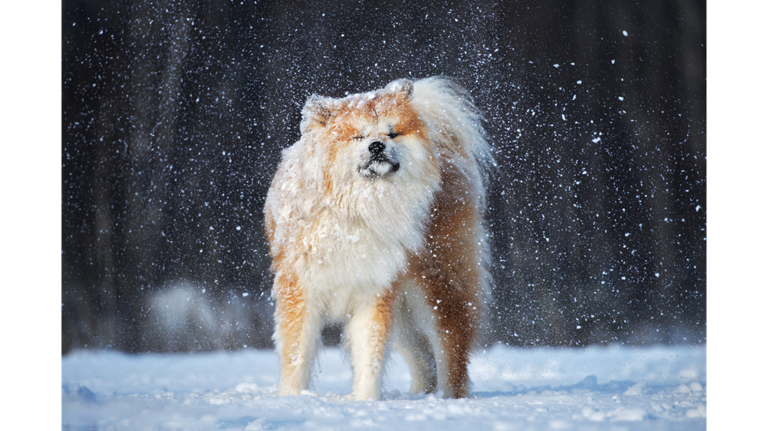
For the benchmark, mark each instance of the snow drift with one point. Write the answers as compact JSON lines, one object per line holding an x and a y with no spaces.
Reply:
{"x":595,"y":388}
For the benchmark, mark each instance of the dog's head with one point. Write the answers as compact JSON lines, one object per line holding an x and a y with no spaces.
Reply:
{"x":372,"y":135}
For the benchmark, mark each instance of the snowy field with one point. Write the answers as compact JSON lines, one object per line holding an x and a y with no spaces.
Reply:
{"x":596,"y":388}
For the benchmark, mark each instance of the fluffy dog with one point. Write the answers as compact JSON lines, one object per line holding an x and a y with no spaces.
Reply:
{"x":374,"y":219}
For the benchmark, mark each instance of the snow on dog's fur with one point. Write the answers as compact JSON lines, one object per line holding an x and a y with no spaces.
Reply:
{"x":374,"y":219}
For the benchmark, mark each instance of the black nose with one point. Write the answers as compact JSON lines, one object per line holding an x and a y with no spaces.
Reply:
{"x":376,"y":147}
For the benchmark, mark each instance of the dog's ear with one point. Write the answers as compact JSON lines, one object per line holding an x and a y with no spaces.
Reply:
{"x":402,"y":86}
{"x":316,"y":113}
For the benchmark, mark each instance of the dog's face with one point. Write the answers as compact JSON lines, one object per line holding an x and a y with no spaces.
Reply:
{"x":373,"y":135}
{"x":379,"y":154}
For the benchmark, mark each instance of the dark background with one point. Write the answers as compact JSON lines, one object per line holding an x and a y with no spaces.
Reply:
{"x":174,"y":115}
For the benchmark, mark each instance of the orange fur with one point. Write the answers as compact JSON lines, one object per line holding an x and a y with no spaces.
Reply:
{"x":450,"y":275}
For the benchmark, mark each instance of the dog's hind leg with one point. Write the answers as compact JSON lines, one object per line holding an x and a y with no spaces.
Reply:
{"x":296,"y":336}
{"x":367,"y":332}
{"x":412,"y":343}
{"x":452,"y":284}
{"x":417,"y":352}
{"x":455,"y":344}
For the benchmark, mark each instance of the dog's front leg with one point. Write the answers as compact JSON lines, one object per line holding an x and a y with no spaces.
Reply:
{"x":367,"y":333}
{"x":296,"y":336}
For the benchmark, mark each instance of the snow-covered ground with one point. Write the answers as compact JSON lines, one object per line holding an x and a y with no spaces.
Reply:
{"x":595,"y":388}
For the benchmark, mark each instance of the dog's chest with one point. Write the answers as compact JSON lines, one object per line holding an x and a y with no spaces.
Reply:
{"x":345,"y":260}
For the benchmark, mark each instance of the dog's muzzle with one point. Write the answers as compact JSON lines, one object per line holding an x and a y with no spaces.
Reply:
{"x":379,"y":164}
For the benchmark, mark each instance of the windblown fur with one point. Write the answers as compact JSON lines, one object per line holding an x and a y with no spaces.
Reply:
{"x":374,"y":219}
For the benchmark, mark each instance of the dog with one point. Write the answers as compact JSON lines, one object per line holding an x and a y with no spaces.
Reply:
{"x":374,"y":218}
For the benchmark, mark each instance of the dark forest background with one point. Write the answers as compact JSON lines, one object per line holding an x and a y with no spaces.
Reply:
{"x":175,"y":113}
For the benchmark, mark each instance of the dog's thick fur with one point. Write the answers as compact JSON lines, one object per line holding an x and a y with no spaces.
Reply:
{"x":374,"y":219}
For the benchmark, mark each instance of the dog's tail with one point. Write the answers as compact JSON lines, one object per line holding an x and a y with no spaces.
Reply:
{"x":454,"y":121}
{"x":455,"y":126}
